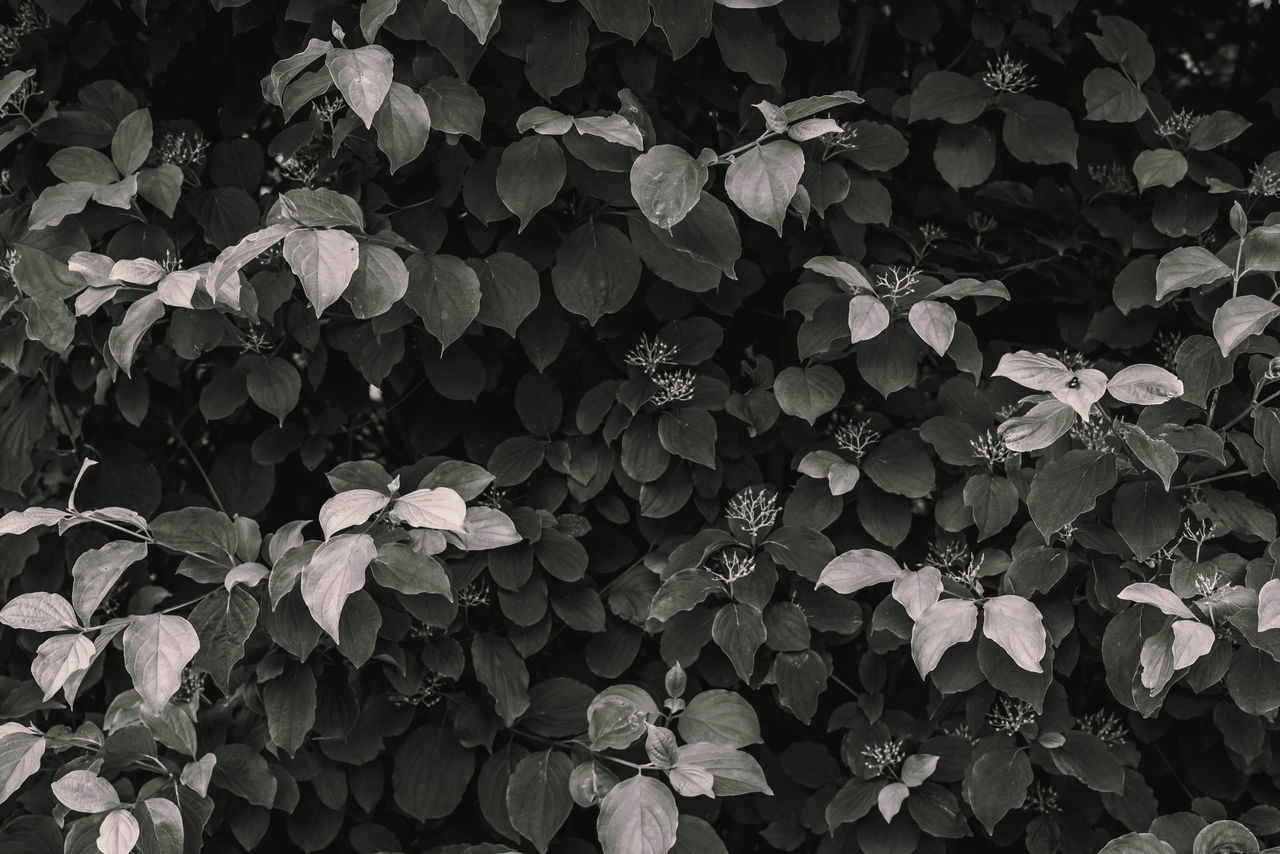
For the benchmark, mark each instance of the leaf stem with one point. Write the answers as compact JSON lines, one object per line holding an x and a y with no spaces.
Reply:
{"x":1224,"y":476}
{"x":1248,"y":411}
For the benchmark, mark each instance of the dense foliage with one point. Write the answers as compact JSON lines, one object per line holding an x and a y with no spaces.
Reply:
{"x":477,"y":426}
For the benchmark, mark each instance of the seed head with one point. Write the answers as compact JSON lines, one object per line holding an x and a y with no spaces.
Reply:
{"x":857,"y":437}
{"x":754,"y":509}
{"x":884,"y":755}
{"x":673,"y":386}
{"x":651,"y":354}
{"x":1008,"y":75}
{"x":1010,"y":715}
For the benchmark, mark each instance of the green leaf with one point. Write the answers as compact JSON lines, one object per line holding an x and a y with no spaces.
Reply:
{"x":683,"y":22}
{"x":720,"y":717}
{"x":1138,"y":843}
{"x":1217,"y":128}
{"x":274,"y":385}
{"x":39,"y":612}
{"x":1068,"y":487}
{"x":453,"y":106}
{"x":403,"y":123}
{"x":290,"y":704}
{"x":997,"y":783}
{"x":439,"y":509}
{"x":85,"y":791}
{"x":1160,"y":167}
{"x":1156,"y":454}
{"x":445,"y":293}
{"x":739,"y":630}
{"x":1017,"y":627}
{"x":162,"y":828}
{"x":748,"y":46}
{"x":1109,"y":96}
{"x":1145,"y":385}
{"x":58,"y":202}
{"x":319,"y":208}
{"x":689,"y":434}
{"x":501,"y":669}
{"x":810,"y":392}
{"x":994,"y":502}
{"x":380,"y":280}
{"x":1239,"y":317}
{"x":285,"y":70}
{"x":965,"y":155}
{"x":132,"y":142}
{"x":1188,"y":267}
{"x":232,"y":259}
{"x":156,"y":649}
{"x":868,"y":317}
{"x":478,"y":15}
{"x":859,"y":568}
{"x":61,"y":661}
{"x":763,"y":180}
{"x":530,"y":174}
{"x":1125,"y":43}
{"x":335,"y":571}
{"x":324,"y":260}
{"x":1146,"y":515}
{"x":854,"y":800}
{"x":509,"y":290}
{"x":942,"y":625}
{"x":733,"y":771}
{"x":223,"y":622}
{"x":1269,"y":606}
{"x":363,"y":76}
{"x":437,"y":794}
{"x":1038,"y":131}
{"x":900,"y":465}
{"x":666,"y":183}
{"x":596,"y":272}
{"x":949,"y":96}
{"x":20,"y":755}
{"x":638,"y":816}
{"x":1087,"y":758}
{"x":83,"y":164}
{"x":611,"y":128}
{"x":935,"y":323}
{"x":538,"y":799}
{"x":123,"y":340}
{"x":119,"y":833}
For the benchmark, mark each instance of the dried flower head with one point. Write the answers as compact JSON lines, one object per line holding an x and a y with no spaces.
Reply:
{"x":182,"y":148}
{"x":990,"y":448}
{"x":754,"y":509}
{"x":474,"y":594}
{"x":1112,"y":177}
{"x":732,"y":565}
{"x":1008,"y":75}
{"x":673,"y":387}
{"x":303,"y":165}
{"x":1010,"y":715}
{"x":190,"y":688}
{"x":1042,"y":798}
{"x":845,"y":140}
{"x":884,"y":755}
{"x":1106,"y":725}
{"x":651,"y":354}
{"x":948,"y":555}
{"x":17,"y":103}
{"x":897,"y":283}
{"x":1167,"y":344}
{"x":1180,"y":123}
{"x":1093,"y":434}
{"x":1265,"y":181}
{"x":429,"y":692}
{"x":932,"y":232}
{"x":856,"y":437}
{"x":9,"y":264}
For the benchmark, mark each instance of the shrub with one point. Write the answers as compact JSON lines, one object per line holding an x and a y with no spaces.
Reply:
{"x":667,"y":425}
